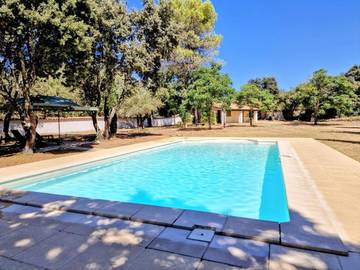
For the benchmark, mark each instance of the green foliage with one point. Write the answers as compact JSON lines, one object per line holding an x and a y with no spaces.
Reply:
{"x":184,"y":114}
{"x":254,"y":97}
{"x":208,"y":86}
{"x":140,"y":104}
{"x":56,"y":87}
{"x":266,"y":83}
{"x":324,"y":92}
{"x":197,"y":40}
{"x":37,"y":39}
{"x":250,"y":95}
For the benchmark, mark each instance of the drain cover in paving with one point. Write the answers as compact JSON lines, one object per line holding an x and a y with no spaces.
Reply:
{"x":201,"y":235}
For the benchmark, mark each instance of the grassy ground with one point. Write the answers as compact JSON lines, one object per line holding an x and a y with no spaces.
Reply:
{"x":343,"y":136}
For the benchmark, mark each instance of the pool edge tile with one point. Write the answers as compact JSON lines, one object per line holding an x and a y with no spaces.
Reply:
{"x":261,"y":230}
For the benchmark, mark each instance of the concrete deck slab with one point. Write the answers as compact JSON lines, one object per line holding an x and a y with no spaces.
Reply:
{"x":204,"y":235}
{"x":23,"y":239}
{"x":307,"y":236}
{"x":207,"y":265}
{"x":190,"y":219}
{"x":9,"y":264}
{"x":104,"y":257}
{"x":238,"y":252}
{"x":175,"y":241}
{"x":158,"y":215}
{"x":7,"y":226}
{"x":45,"y":200}
{"x":351,"y":262}
{"x":337,"y":179}
{"x":88,"y":224}
{"x":129,"y":234}
{"x":119,"y":210}
{"x":54,"y":251}
{"x":310,"y":225}
{"x":159,"y":260}
{"x":85,"y":205}
{"x":253,"y":229}
{"x":282,"y":258}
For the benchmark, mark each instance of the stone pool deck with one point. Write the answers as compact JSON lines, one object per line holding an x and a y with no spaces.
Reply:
{"x":44,"y":231}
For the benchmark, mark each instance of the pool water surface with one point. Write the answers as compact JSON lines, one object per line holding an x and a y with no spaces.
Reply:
{"x":237,"y":178}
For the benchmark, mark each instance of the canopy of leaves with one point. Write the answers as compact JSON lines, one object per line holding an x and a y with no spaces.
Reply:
{"x":198,"y":41}
{"x":207,"y":85}
{"x":251,"y":95}
{"x":141,"y":103}
{"x":266,"y":83}
{"x":323,"y":92}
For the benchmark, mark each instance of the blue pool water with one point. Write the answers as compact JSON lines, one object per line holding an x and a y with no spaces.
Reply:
{"x":226,"y":177}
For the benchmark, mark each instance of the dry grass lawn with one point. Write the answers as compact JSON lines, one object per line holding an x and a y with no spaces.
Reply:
{"x":344,"y":136}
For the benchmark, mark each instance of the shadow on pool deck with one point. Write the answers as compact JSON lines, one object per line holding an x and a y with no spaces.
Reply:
{"x":56,"y":239}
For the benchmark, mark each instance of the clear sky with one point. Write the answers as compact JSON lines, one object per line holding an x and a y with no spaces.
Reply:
{"x":288,"y":39}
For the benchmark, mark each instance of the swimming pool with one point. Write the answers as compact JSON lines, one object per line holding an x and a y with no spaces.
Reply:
{"x":238,"y":178}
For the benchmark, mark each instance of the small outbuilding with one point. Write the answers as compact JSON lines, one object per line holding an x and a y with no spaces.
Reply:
{"x":236,"y":115}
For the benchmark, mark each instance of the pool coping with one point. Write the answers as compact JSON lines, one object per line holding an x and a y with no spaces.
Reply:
{"x":287,"y":234}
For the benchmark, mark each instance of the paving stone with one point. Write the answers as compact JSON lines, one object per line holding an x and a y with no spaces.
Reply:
{"x":23,"y":239}
{"x":18,"y":211}
{"x":175,"y":240}
{"x":129,"y":233}
{"x":238,"y":252}
{"x":87,"y":224}
{"x":351,"y":262}
{"x":103,"y":257}
{"x":45,"y":200}
{"x":55,"y":251}
{"x":201,"y":235}
{"x":87,"y":206}
{"x":159,"y":260}
{"x":189,"y":219}
{"x":207,"y":265}
{"x":9,"y":264}
{"x":119,"y":210}
{"x":7,"y":226}
{"x":157,"y":214}
{"x":284,"y":258}
{"x":298,"y":235}
{"x":252,"y":228}
{"x":11,"y":195}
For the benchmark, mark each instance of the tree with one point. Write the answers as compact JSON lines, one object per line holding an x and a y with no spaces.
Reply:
{"x":252,"y":96}
{"x":156,"y":39}
{"x":109,"y":56}
{"x":343,"y":98}
{"x":288,"y":104}
{"x":206,"y":87}
{"x":142,"y":103}
{"x":197,"y":41}
{"x":37,"y":38}
{"x":324,"y":92}
{"x":353,"y":75}
{"x":266,"y":83}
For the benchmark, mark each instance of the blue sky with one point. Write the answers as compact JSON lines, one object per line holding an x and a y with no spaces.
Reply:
{"x":288,"y":39}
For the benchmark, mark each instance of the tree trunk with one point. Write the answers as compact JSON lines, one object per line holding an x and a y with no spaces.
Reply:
{"x":98,"y":136}
{"x":6,"y":127}
{"x":316,"y":119}
{"x":224,"y":118}
{"x":316,"y":116}
{"x":29,"y":124}
{"x":251,"y":116}
{"x":141,"y":118}
{"x":196,"y":117}
{"x":209,"y":119}
{"x":113,"y":125}
{"x":108,"y":117}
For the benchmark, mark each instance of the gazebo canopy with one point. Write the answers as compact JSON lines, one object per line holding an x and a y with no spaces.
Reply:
{"x":55,"y":103}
